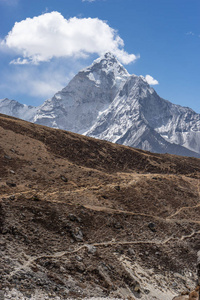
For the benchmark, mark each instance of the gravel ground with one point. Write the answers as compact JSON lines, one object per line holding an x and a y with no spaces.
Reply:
{"x":16,"y":295}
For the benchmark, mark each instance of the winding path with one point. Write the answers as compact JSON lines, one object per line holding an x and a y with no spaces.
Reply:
{"x":33,"y":259}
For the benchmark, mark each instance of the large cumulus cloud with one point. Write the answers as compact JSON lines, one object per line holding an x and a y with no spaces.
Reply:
{"x":50,"y":35}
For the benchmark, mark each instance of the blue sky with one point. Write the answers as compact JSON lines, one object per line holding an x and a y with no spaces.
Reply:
{"x":54,"y":39}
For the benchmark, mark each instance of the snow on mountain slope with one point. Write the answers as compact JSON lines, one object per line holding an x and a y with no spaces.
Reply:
{"x":78,"y":105}
{"x":138,"y":117}
{"x":176,"y":124}
{"x":16,"y":109}
{"x":106,"y":102}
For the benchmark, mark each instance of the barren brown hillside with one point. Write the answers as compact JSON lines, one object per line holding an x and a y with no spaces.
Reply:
{"x":81,"y":217}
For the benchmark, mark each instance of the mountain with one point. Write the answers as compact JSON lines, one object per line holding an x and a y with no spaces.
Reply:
{"x":138,"y":117}
{"x":106,"y":102}
{"x":15,"y":109}
{"x":91,"y":91}
{"x":82,"y":218}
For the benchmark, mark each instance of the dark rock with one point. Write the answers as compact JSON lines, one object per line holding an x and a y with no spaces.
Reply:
{"x":118,"y":225}
{"x":152,"y":227}
{"x":74,"y":218}
{"x":78,"y":258}
{"x":174,"y":284}
{"x":68,"y":227}
{"x":77,"y":235}
{"x":63,"y":178}
{"x":117,"y":187}
{"x":7,"y":157}
{"x":36,"y":198}
{"x":4,"y":231}
{"x":11,"y":184}
{"x":120,"y":250}
{"x":131,"y":252}
{"x":28,"y":296}
{"x":80,"y":267}
{"x":137,"y":289}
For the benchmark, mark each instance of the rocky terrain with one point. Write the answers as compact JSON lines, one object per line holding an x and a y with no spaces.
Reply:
{"x":84,"y":218}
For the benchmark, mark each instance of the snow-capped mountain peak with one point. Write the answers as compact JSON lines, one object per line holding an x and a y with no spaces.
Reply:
{"x":104,"y":101}
{"x":109,"y":64}
{"x":90,"y":92}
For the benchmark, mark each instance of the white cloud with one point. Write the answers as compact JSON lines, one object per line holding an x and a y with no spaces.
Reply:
{"x":19,"y":61}
{"x":88,"y":0}
{"x":150,"y":80}
{"x":50,"y":35}
{"x":39,"y":83}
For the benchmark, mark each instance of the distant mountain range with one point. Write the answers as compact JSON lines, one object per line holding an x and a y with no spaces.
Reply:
{"x":106,"y":102}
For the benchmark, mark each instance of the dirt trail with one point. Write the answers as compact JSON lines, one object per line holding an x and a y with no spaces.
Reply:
{"x":170,"y":218}
{"x":34,"y":259}
{"x":181,"y":209}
